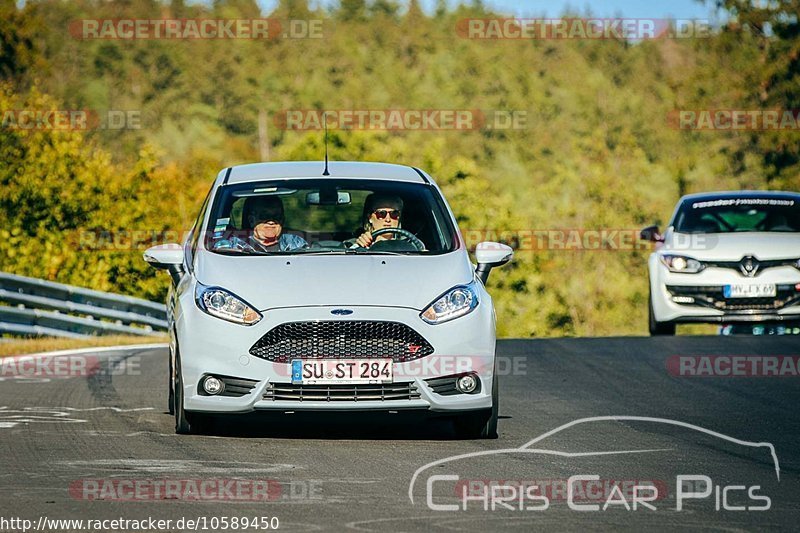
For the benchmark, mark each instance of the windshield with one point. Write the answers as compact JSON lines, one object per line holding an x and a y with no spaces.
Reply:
{"x":744,"y":214}
{"x":329,"y":216}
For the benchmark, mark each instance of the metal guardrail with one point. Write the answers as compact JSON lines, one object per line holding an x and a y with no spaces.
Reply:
{"x":35,"y":307}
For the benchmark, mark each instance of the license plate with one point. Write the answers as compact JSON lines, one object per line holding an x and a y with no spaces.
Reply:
{"x":342,"y":371}
{"x":749,"y":290}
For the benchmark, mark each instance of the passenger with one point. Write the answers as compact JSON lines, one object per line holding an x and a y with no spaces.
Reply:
{"x":263,"y":220}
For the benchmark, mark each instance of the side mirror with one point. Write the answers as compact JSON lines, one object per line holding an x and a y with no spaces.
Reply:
{"x":167,"y":257}
{"x":650,"y":233}
{"x":490,"y":255}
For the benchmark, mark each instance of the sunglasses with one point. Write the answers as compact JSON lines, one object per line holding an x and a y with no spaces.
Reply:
{"x":380,"y":214}
{"x":266,"y":216}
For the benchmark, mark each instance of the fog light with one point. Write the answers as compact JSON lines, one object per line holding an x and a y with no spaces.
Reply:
{"x":467,"y":383}
{"x":213,"y":385}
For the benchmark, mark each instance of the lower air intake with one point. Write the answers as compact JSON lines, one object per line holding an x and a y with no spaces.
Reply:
{"x":341,"y":393}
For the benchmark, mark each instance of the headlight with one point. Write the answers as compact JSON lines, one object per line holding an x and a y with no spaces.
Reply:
{"x":681,"y":264}
{"x":222,"y":304}
{"x":457,"y":302}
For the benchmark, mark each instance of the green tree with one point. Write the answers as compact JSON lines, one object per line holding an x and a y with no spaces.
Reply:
{"x":773,"y":79}
{"x":18,"y":50}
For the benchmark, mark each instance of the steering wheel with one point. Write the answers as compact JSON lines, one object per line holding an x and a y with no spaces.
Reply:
{"x":403,"y":234}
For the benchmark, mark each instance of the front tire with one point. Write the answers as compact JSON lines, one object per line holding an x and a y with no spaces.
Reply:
{"x":657,"y":328}
{"x":171,"y":385}
{"x":185,"y":423}
{"x":182,"y":425}
{"x":480,"y":424}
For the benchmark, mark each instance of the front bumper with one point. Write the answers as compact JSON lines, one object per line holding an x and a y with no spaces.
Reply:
{"x":701,"y":299}
{"x":211,"y":346}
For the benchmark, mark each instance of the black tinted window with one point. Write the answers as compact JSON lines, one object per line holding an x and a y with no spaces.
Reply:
{"x":729,"y":215}
{"x":328,"y":214}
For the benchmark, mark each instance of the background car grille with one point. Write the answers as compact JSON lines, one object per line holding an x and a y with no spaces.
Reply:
{"x":341,"y":339}
{"x":713,"y":297}
{"x":341,"y":393}
{"x":762,"y":264}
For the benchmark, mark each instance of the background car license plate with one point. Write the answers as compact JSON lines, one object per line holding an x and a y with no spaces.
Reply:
{"x":341,"y":371}
{"x":749,"y":290}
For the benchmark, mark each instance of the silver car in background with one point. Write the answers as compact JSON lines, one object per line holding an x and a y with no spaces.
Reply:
{"x":318,"y":323}
{"x":727,"y":258}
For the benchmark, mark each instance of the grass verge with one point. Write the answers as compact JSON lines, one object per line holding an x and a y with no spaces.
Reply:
{"x":35,"y":345}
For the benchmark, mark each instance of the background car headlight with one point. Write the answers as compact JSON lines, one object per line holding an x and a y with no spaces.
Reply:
{"x":681,"y":264}
{"x":456,"y":302}
{"x":222,"y":304}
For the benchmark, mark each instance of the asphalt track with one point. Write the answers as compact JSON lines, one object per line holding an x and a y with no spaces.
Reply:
{"x":109,"y":426}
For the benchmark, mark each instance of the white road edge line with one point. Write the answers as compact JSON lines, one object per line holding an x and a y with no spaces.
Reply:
{"x":94,"y":349}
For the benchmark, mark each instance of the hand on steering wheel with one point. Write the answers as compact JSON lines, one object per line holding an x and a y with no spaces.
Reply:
{"x":403,"y":234}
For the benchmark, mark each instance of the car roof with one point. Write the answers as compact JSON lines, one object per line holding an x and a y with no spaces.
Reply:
{"x":314,"y":169}
{"x":725,"y":195}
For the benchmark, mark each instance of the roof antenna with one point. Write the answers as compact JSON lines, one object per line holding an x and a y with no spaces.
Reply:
{"x":325,"y":124}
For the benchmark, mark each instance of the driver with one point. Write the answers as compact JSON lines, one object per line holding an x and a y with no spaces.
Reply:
{"x":380,"y":211}
{"x":262,"y":220}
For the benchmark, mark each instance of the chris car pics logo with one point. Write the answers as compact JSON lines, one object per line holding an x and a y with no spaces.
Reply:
{"x":586,"y":491}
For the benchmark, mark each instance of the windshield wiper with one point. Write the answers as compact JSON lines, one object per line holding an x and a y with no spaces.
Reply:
{"x":356,"y":251}
{"x":233,"y":251}
{"x":319,"y":252}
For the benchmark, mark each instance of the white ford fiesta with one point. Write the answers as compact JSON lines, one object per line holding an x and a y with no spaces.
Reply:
{"x":726,"y":257}
{"x":306,"y":286}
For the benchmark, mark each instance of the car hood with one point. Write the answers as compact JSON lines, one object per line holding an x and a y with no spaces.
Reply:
{"x":733,"y":246}
{"x":341,"y":280}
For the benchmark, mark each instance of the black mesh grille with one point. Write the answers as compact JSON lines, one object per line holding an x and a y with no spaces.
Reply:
{"x":341,"y":393}
{"x":713,"y":297}
{"x":342,"y":339}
